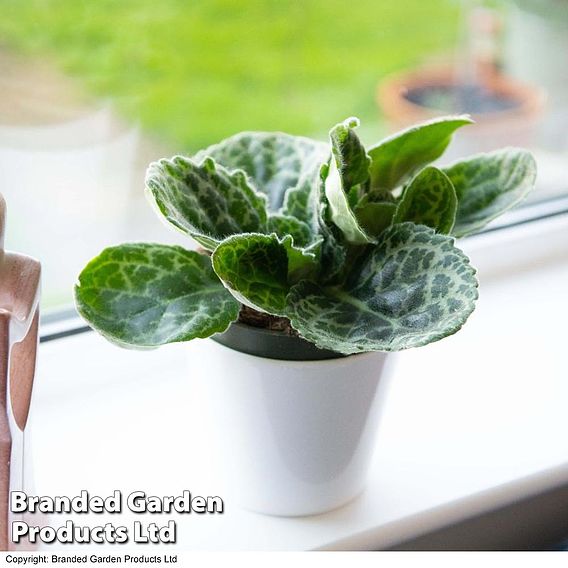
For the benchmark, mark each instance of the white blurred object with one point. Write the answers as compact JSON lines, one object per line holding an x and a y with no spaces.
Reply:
{"x":68,"y":185}
{"x":536,"y":51}
{"x":536,"y":45}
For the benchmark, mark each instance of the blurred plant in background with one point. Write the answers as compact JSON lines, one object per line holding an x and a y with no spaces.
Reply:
{"x":195,"y":72}
{"x":94,"y":90}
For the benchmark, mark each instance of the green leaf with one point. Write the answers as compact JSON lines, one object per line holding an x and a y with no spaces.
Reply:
{"x":145,"y":295}
{"x":257,"y":269}
{"x":487,"y":185}
{"x":349,"y":165}
{"x":302,"y":200}
{"x":333,"y":251}
{"x":341,"y":213}
{"x":429,"y":199}
{"x":350,"y":156}
{"x":413,"y":288}
{"x":284,"y":225}
{"x":398,"y":157}
{"x":274,"y":161}
{"x":302,"y":262}
{"x":375,"y":217}
{"x":204,"y":200}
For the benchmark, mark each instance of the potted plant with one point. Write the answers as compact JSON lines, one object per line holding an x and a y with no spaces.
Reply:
{"x":316,"y":260}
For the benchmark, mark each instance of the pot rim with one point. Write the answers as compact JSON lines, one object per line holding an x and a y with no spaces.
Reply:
{"x":277,"y":346}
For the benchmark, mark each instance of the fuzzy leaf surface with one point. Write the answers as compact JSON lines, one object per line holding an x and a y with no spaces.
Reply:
{"x":375,"y":217}
{"x":489,"y":184}
{"x":145,"y":295}
{"x":274,"y":161}
{"x":257,"y":269}
{"x":302,"y":201}
{"x":429,"y":199}
{"x":350,"y":156}
{"x":398,"y":157}
{"x":205,"y":200}
{"x":333,"y":248}
{"x":284,"y":225}
{"x":348,"y":168}
{"x":414,"y":287}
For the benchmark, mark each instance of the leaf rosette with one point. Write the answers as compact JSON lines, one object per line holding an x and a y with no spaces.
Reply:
{"x":355,"y":247}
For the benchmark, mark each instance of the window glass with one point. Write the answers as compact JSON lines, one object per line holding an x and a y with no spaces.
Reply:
{"x":93,"y":91}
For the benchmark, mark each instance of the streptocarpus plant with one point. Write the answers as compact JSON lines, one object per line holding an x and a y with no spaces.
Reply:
{"x":354,"y":247}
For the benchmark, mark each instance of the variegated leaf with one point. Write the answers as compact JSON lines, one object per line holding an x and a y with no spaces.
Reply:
{"x":348,"y":168}
{"x":145,"y":295}
{"x":333,"y":248}
{"x":274,"y":161}
{"x":283,"y":225}
{"x":350,"y":156}
{"x":429,"y":199}
{"x":302,"y":201}
{"x":258,"y":269}
{"x":414,"y":287}
{"x":205,"y":200}
{"x":375,"y":217}
{"x":487,"y":185}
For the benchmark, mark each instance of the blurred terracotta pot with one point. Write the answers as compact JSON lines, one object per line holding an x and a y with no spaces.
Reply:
{"x":511,"y":118}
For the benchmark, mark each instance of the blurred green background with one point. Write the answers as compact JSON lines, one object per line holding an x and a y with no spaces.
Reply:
{"x":193,"y":72}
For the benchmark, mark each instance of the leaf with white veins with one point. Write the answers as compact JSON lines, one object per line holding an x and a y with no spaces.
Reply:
{"x":284,"y":225}
{"x":145,"y":295}
{"x":489,"y":184}
{"x":204,"y":200}
{"x":258,"y":269}
{"x":302,"y":201}
{"x":350,"y":156}
{"x":274,"y":161}
{"x":429,"y":199}
{"x":375,"y":217}
{"x":414,"y":287}
{"x":348,"y":167}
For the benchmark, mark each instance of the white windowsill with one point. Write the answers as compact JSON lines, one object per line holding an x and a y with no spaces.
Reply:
{"x":483,"y":408}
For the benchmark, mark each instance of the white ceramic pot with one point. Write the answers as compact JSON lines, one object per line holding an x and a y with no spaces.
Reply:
{"x":296,"y":436}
